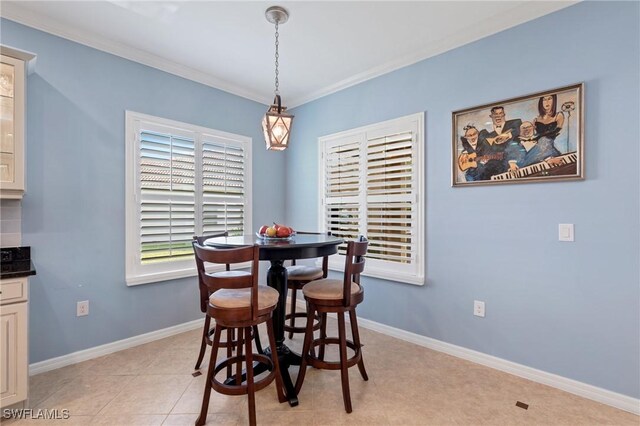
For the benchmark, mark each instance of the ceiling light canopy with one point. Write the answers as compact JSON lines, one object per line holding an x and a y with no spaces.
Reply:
{"x":276,"y":124}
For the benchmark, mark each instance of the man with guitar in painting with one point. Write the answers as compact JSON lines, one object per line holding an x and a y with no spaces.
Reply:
{"x":477,"y":160}
{"x":487,"y":157}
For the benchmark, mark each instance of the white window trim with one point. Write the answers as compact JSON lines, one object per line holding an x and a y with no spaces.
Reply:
{"x":375,"y":268}
{"x":135,"y":273}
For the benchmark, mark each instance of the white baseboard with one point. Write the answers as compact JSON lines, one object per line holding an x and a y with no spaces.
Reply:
{"x":97,"y":351}
{"x":575,"y":387}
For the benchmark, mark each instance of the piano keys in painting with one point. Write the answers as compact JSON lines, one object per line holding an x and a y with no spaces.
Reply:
{"x":567,"y":165}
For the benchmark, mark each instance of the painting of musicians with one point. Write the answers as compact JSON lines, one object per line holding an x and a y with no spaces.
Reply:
{"x":533,"y":138}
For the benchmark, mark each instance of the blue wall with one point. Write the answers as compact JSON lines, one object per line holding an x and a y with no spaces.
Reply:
{"x":73,"y":211}
{"x":567,"y":308}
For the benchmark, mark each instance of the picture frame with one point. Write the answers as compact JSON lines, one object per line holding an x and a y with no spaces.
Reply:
{"x":533,"y":138}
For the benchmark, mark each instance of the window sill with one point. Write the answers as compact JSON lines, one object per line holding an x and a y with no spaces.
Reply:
{"x":384,"y":274}
{"x":156,"y":277}
{"x":160,"y":276}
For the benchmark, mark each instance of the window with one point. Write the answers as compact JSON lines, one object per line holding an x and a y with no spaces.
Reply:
{"x":371,"y":184}
{"x":182,"y":180}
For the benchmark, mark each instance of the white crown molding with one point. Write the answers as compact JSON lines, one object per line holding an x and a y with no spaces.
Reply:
{"x":509,"y":18}
{"x":109,"y":348}
{"x":14,"y":12}
{"x":575,"y":387}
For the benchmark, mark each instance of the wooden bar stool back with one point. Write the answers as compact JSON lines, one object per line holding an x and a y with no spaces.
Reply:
{"x":238,"y":302}
{"x":207,"y":332}
{"x":337,"y":296}
{"x":297,"y":277}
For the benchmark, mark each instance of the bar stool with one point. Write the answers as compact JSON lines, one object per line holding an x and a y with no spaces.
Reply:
{"x":230,"y":343}
{"x":297,"y":277}
{"x":337,"y":296}
{"x":238,"y":302}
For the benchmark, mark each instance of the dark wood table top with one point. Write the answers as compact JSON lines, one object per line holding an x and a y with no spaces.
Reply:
{"x":300,"y":246}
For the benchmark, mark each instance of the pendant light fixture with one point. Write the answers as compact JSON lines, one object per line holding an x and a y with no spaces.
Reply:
{"x":276,"y":124}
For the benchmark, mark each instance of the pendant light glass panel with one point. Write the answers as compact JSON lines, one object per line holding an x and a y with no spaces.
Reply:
{"x":276,"y":128}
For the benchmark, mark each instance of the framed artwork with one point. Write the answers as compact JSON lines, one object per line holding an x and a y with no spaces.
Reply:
{"x":533,"y":138}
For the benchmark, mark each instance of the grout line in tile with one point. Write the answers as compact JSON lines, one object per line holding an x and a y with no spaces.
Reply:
{"x":181,"y":395}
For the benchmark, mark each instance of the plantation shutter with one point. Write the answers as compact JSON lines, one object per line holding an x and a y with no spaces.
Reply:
{"x":182,"y":180}
{"x":342,"y":189}
{"x":371,"y":186}
{"x":390,"y":198}
{"x":223,"y":186}
{"x":167,"y":196}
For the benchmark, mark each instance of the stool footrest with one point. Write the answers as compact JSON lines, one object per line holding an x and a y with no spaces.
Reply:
{"x":316,"y":362}
{"x":242,"y":389}
{"x":316,"y":325}
{"x":225,"y":343}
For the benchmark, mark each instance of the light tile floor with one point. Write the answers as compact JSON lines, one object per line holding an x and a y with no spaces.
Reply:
{"x":408,"y":385}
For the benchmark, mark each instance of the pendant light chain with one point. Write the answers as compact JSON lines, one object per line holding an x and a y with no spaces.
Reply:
{"x":276,"y":123}
{"x":277,"y":91}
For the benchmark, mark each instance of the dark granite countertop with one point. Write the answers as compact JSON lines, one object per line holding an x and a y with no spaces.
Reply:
{"x":15,"y":262}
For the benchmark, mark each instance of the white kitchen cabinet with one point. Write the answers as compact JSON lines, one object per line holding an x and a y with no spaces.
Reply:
{"x":14,"y":373}
{"x":12,"y":127}
{"x":13,"y":64}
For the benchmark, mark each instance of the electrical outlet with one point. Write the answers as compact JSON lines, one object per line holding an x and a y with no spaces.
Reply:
{"x":82,"y":308}
{"x":478,"y":308}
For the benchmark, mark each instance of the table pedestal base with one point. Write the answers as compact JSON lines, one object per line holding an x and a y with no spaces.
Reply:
{"x":287,"y":358}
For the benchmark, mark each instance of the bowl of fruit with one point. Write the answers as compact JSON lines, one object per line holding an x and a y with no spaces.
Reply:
{"x":276,"y":232}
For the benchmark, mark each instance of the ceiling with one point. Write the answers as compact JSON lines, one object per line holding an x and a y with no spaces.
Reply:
{"x":324,"y":47}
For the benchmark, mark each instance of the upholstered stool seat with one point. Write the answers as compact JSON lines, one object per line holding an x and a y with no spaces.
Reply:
{"x":304,"y":272}
{"x":327,"y":289}
{"x":241,"y":298}
{"x":229,"y":274}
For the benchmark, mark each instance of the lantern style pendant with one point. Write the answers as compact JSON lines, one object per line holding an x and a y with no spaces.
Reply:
{"x":276,"y":124}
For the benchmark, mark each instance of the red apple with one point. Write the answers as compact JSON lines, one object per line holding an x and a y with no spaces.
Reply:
{"x":263,"y":229}
{"x":283,"y":232}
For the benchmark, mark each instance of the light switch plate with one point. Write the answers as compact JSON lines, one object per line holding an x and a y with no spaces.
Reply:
{"x":565,"y":232}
